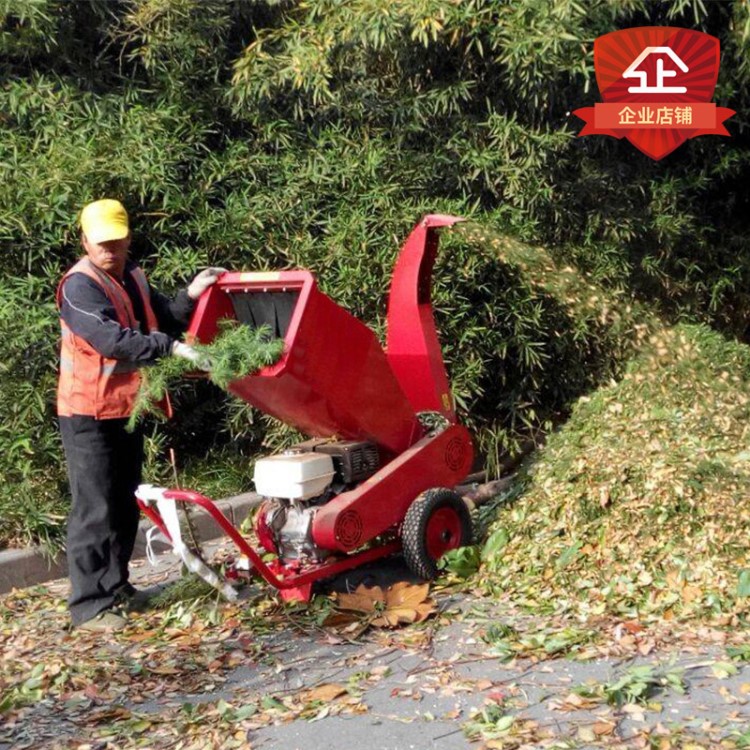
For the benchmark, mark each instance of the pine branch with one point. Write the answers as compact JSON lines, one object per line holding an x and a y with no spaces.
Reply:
{"x":236,"y":352}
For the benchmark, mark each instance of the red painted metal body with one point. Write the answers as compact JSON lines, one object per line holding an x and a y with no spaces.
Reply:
{"x":413,"y":348}
{"x":335,"y":380}
{"x":279,"y":576}
{"x":380,"y":502}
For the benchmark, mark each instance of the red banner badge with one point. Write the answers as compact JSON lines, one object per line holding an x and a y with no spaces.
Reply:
{"x":656,"y":84}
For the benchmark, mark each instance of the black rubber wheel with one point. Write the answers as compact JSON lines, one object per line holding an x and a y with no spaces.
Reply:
{"x":437,"y":521}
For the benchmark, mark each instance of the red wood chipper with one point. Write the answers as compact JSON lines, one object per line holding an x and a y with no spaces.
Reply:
{"x":375,"y":478}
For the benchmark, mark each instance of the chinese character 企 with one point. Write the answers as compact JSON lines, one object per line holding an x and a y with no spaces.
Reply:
{"x":661,"y":73}
{"x":627,"y":116}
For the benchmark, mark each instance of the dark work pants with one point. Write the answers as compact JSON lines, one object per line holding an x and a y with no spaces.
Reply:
{"x":104,"y":469}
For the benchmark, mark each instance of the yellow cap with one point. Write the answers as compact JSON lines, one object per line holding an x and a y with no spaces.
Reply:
{"x":104,"y":220}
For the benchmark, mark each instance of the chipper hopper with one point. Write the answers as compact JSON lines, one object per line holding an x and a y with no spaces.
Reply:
{"x":374,"y":478}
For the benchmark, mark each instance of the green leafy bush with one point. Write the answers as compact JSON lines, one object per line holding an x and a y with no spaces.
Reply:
{"x":33,"y":485}
{"x":273,"y":135}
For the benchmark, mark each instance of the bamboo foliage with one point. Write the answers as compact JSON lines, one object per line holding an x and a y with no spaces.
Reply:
{"x":276,"y":134}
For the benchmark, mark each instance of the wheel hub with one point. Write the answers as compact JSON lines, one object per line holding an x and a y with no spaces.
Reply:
{"x":443,"y":532}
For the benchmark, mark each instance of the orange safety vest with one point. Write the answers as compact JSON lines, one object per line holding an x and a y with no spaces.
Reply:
{"x":91,"y":384}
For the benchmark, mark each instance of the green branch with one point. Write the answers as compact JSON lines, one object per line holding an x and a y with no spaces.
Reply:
{"x":236,"y":352}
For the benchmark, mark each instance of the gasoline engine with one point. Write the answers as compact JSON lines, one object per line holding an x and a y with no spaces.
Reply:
{"x":297,"y":482}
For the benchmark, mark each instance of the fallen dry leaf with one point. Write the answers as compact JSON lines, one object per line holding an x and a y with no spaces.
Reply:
{"x":572,"y":702}
{"x":402,"y":603}
{"x":602,"y":728}
{"x":404,"y":594}
{"x":325,"y":693}
{"x":362,"y":599}
{"x":586,"y":734}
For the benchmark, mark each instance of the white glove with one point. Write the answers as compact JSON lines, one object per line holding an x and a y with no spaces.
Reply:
{"x":201,"y":361}
{"x":204,"y":280}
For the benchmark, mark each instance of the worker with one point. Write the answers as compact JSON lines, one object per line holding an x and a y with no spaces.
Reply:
{"x":113,"y":323}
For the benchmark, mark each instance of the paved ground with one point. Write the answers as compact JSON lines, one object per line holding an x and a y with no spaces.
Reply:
{"x":455,"y":683}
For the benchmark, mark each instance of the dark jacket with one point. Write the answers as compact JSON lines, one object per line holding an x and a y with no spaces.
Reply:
{"x":89,"y":314}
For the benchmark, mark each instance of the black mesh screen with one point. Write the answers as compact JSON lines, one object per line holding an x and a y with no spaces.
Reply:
{"x":273,"y":309}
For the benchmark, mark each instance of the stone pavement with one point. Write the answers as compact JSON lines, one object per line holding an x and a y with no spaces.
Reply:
{"x":455,"y":686}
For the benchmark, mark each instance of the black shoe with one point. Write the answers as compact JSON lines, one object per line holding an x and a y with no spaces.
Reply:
{"x":136,"y":600}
